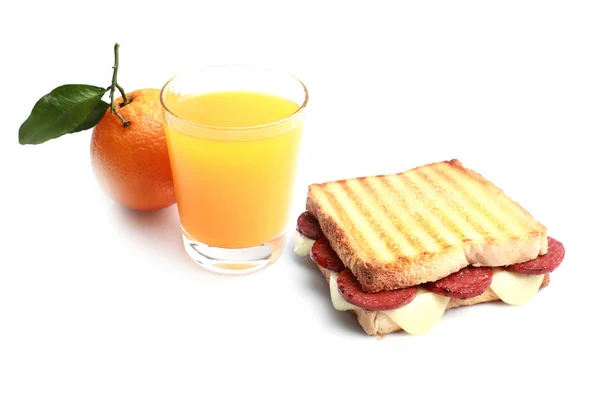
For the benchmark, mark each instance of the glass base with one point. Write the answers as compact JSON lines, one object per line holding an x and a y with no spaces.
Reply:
{"x":234,"y":261}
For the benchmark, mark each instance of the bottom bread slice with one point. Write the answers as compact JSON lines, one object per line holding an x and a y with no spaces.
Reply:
{"x":378,"y":323}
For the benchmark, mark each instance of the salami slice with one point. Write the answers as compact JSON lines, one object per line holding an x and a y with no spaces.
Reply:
{"x":464,"y":284}
{"x":351,"y":290}
{"x":308,"y":225}
{"x":325,"y":257}
{"x":543,"y":264}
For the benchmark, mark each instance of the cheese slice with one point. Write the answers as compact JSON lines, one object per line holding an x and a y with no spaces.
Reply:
{"x":416,"y":318}
{"x":302,"y":244}
{"x":513,"y":288}
{"x":421,"y":314}
{"x":339,"y":303}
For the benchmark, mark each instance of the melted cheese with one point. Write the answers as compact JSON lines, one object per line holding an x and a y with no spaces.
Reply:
{"x":513,"y":288}
{"x":339,"y":303}
{"x":421,"y":314}
{"x":302,"y":244}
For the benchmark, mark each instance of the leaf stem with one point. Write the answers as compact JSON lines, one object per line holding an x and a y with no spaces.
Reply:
{"x":114,"y":86}
{"x":125,"y":99}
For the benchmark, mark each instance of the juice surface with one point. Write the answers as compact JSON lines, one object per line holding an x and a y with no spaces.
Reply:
{"x":234,"y":185}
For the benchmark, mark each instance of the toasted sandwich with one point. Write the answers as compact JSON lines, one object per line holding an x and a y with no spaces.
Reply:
{"x":398,"y":250}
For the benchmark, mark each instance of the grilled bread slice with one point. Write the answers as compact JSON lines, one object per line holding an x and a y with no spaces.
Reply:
{"x":401,"y":230}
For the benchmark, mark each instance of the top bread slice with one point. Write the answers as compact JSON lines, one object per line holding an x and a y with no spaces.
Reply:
{"x":401,"y":230}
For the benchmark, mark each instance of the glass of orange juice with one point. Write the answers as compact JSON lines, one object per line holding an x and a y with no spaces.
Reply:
{"x":233,"y":134}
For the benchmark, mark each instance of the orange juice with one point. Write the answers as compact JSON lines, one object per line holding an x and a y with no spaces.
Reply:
{"x":233,"y":164}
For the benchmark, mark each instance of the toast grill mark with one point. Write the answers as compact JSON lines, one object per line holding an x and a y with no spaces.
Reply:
{"x":376,"y":244}
{"x":462,"y":217}
{"x":332,"y":204}
{"x":491,"y":205}
{"x":505,"y":205}
{"x":483,"y":214}
{"x":445,"y":229}
{"x":394,"y":237}
{"x":329,"y":204}
{"x":405,"y":214}
{"x":448,"y":211}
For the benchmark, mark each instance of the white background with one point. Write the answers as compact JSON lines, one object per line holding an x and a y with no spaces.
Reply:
{"x":97,"y":302}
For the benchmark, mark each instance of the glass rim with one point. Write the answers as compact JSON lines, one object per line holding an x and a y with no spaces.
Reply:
{"x":300,"y":108}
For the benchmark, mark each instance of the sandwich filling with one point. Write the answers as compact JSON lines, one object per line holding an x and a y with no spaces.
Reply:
{"x":417,"y":309}
{"x":417,"y":317}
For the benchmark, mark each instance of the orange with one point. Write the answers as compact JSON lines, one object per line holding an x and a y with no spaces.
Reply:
{"x":132,"y":163}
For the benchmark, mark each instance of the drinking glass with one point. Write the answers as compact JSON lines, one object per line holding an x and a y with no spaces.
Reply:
{"x":233,"y":134}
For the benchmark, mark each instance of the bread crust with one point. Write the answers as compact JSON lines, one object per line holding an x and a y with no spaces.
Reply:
{"x":375,"y":274}
{"x":378,"y":323}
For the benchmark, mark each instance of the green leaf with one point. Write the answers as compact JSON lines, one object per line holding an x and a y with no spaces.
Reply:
{"x":94,"y":117}
{"x":66,"y":109}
